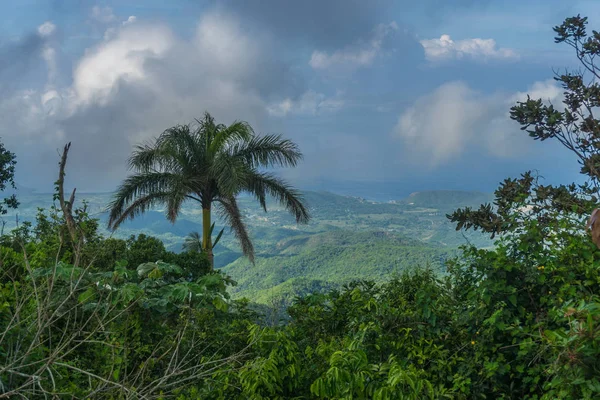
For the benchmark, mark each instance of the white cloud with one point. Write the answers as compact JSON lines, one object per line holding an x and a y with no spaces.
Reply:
{"x":442,"y":125}
{"x":130,"y":20}
{"x":121,"y":59}
{"x":104,"y":19}
{"x":445,"y":48}
{"x":547,"y":91}
{"x":220,"y":55}
{"x":359,"y":55}
{"x":438,"y":124}
{"x":46,"y":29}
{"x":132,"y":85}
{"x":224,"y":48}
{"x":310,"y":103}
{"x":29,"y":113}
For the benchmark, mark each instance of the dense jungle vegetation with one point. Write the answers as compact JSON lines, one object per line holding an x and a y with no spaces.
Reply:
{"x":83,"y":315}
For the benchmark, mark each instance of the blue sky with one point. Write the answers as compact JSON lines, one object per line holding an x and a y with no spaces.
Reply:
{"x":401,"y":94}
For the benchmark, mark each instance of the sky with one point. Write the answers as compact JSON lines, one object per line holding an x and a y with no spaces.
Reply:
{"x":404,"y":95}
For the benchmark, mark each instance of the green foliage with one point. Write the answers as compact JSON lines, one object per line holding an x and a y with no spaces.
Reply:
{"x":143,"y":248}
{"x":330,"y":259}
{"x":515,"y":322}
{"x":519,"y":294}
{"x":7,"y":177}
{"x":573,"y":125}
{"x":82,"y":320}
{"x":147,"y":333}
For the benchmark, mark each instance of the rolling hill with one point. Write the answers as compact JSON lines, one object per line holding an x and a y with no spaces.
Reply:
{"x":347,"y":238}
{"x":330,"y":259}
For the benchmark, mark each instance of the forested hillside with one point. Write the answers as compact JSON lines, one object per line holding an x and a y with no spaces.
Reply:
{"x":348,"y":238}
{"x":331,"y":258}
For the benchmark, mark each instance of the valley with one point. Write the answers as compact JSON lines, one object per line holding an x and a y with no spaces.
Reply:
{"x":348,"y":238}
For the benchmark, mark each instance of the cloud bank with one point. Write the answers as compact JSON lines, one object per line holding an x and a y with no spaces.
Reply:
{"x":138,"y":81}
{"x":441,"y":126}
{"x":444,"y":49}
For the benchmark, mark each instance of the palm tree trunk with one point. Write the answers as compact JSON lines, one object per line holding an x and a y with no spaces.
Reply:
{"x":206,"y":239}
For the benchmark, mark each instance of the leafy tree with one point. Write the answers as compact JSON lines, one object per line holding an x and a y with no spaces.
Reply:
{"x":535,"y":298}
{"x":107,"y":252}
{"x":142,"y":249}
{"x":193,"y":264}
{"x":7,"y":177}
{"x":70,"y":328}
{"x":210,"y":163}
{"x":575,"y":125}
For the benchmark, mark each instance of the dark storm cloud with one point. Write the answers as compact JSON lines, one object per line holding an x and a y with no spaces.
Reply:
{"x":329,"y":24}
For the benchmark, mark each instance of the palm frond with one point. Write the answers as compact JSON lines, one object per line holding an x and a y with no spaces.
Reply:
{"x":238,"y":131}
{"x":135,"y":208}
{"x":193,"y":241}
{"x":216,"y":241}
{"x":176,"y":199}
{"x":206,"y":129}
{"x":263,"y":184}
{"x":156,"y":159}
{"x":229,"y":174}
{"x":180,"y":147}
{"x":268,"y":151}
{"x":144,"y":158}
{"x":230,"y":212}
{"x":143,"y":190}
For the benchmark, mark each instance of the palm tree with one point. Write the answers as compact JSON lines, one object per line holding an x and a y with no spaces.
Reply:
{"x":193,"y":241}
{"x":211,"y":164}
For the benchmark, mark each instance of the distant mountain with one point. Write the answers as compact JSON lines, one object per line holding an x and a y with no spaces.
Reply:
{"x":155,"y":223}
{"x":348,"y":237}
{"x":448,"y":200}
